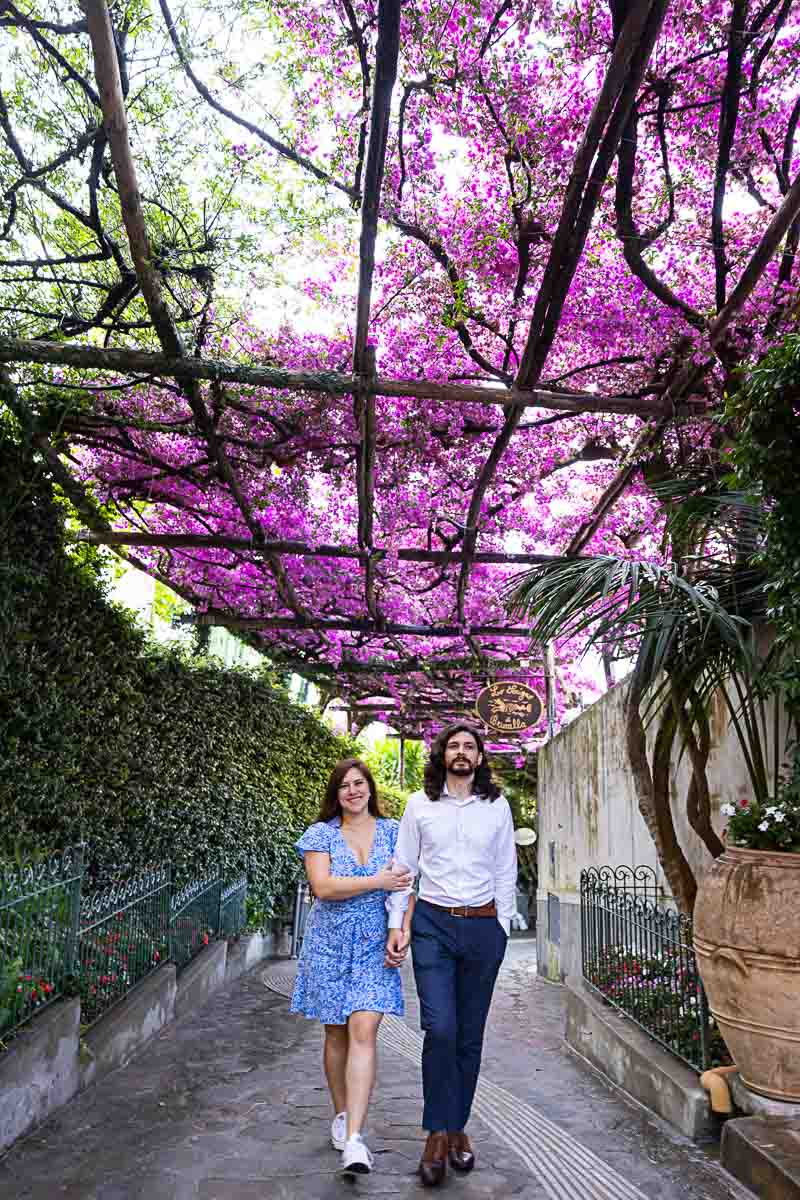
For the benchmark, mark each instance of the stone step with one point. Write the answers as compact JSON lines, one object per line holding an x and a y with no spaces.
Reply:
{"x":763,"y":1153}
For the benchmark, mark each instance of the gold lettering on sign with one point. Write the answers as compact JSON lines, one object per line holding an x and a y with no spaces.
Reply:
{"x":509,"y":706}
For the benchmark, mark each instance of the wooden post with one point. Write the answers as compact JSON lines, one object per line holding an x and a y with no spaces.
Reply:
{"x":402,"y":761}
{"x":550,"y":687}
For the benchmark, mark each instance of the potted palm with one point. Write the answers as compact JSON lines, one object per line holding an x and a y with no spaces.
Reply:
{"x":695,"y":627}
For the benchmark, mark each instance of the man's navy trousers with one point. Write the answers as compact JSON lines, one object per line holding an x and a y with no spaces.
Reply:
{"x":456,"y":960}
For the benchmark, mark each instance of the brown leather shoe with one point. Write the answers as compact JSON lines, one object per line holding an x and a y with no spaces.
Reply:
{"x":460,"y":1152}
{"x":433,"y":1164}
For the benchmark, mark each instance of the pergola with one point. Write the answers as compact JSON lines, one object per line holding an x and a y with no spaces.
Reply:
{"x":377,"y":666}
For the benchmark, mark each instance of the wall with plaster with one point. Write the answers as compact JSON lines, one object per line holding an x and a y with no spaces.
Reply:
{"x":588,"y":816}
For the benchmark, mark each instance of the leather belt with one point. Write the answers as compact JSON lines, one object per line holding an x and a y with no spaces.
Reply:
{"x":466,"y":910}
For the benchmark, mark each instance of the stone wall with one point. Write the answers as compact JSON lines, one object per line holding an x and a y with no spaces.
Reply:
{"x":588,"y":816}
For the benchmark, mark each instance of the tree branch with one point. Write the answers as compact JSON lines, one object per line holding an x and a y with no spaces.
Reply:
{"x":280,"y":147}
{"x":357,"y":37}
{"x":607,"y":120}
{"x":116,"y":127}
{"x":729,"y":115}
{"x":634,"y":242}
{"x":771,"y":239}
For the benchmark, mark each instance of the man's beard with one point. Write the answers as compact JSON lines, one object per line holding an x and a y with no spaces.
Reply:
{"x":461,"y":767}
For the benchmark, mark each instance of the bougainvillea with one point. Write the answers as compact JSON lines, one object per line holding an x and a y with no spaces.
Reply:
{"x":251,"y":191}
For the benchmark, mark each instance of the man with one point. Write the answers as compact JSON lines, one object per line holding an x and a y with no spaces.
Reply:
{"x":458,"y":836}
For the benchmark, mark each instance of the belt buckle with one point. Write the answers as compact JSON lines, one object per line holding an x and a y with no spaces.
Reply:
{"x":460,"y":910}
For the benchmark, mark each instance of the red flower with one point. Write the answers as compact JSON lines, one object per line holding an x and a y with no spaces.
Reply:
{"x":744,"y":804}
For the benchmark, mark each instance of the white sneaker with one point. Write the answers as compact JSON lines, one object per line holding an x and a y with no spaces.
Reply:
{"x":356,"y":1158}
{"x":339,"y":1131}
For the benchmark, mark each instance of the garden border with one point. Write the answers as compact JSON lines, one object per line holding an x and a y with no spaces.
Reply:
{"x":619,"y":1049}
{"x":48,"y":1062}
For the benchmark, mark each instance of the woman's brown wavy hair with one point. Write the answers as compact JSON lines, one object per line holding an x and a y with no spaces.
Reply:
{"x":331,"y":807}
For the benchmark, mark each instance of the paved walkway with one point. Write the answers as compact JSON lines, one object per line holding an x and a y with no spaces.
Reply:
{"x":229,"y":1104}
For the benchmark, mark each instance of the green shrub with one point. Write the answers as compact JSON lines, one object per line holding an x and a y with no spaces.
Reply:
{"x":11,"y":984}
{"x":383,"y":759}
{"x":142,"y":752}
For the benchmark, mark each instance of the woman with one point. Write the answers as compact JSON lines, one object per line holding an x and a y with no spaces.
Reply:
{"x":342,"y":979}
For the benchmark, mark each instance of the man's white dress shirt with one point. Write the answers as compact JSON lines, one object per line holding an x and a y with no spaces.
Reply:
{"x":463,"y":851}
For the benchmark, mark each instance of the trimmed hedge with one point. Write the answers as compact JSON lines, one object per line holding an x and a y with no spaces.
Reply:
{"x":141,"y":751}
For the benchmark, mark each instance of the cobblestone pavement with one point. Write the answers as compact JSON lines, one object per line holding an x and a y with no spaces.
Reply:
{"x":229,"y":1103}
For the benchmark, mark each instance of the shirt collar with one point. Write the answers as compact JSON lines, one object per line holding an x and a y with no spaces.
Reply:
{"x":457,"y":799}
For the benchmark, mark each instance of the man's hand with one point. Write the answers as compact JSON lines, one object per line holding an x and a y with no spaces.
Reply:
{"x":396,"y":948}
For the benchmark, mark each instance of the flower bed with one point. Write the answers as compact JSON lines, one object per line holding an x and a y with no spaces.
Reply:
{"x":22,"y":993}
{"x":113,"y":959}
{"x":662,"y":993}
{"x":57,"y":939}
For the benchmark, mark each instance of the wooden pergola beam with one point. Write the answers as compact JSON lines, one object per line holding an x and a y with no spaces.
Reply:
{"x":409,"y":666}
{"x":178,"y":541}
{"x":336,"y":383}
{"x":458,"y":666}
{"x":411,"y":708}
{"x":353,"y":625}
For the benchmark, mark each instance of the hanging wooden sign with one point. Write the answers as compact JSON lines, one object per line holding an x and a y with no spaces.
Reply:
{"x":508,"y":706}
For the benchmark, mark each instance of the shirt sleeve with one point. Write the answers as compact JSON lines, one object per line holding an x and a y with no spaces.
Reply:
{"x":316,"y":837}
{"x":406,"y":854}
{"x":505,"y":877}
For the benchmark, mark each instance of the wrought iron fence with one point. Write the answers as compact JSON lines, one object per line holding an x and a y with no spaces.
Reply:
{"x":639,"y":957}
{"x":233,"y":908}
{"x":194,"y":918}
{"x":56,"y":938}
{"x":38,"y":920}
{"x":124,"y":935}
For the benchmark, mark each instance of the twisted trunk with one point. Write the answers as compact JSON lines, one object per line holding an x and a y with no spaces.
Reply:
{"x":653,"y":791}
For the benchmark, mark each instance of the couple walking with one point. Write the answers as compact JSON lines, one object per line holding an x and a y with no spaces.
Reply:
{"x":457,"y":838}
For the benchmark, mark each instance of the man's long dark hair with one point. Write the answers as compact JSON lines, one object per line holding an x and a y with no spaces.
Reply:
{"x":330,"y":806}
{"x":435,"y":772}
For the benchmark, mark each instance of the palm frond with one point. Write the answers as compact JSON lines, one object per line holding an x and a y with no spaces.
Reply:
{"x":699,"y":627}
{"x":703,"y":506}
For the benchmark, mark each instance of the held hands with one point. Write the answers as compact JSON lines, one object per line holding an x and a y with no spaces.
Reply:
{"x":396,"y":947}
{"x":394,"y":880}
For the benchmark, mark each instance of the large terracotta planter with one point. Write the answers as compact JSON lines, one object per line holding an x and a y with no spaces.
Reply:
{"x":747,"y":942}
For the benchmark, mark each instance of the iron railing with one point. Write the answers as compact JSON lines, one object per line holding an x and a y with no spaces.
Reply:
{"x":124,"y":935}
{"x":303,"y":900}
{"x":39,"y":904}
{"x":194,"y":918}
{"x":57,"y":939}
{"x":638,"y":955}
{"x":233,"y":908}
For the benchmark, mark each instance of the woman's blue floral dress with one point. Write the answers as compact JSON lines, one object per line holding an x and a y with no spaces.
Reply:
{"x":341,"y":967}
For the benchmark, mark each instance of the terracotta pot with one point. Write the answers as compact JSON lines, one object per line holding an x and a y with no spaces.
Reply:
{"x":747,"y":942}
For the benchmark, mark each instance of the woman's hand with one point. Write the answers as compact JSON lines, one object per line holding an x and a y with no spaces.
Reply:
{"x":396,"y":947}
{"x":393,"y":880}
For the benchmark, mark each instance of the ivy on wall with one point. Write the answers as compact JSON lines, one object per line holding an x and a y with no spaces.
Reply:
{"x":142,"y":752}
